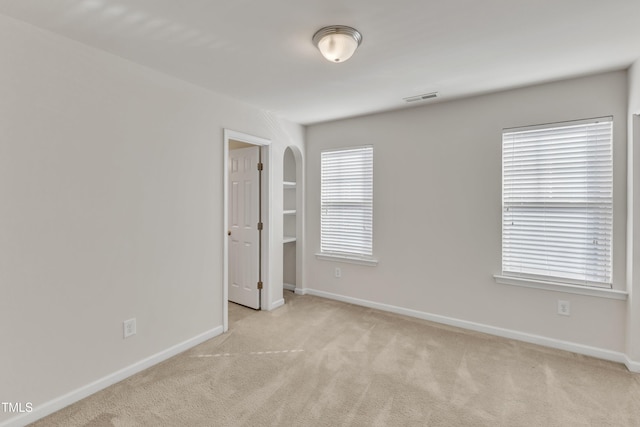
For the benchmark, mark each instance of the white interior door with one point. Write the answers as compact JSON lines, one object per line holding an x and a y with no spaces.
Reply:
{"x":243,"y":227}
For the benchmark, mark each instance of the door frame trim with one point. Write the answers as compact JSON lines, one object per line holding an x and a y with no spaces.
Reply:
{"x":228,"y":135}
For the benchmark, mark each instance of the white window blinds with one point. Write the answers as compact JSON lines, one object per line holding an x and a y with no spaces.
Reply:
{"x":346,"y":220}
{"x":557,"y":201}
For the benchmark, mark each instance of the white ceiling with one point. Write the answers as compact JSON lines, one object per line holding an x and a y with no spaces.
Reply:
{"x":260,"y":51}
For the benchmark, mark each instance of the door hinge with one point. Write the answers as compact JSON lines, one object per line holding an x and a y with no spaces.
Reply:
{"x":259,"y":285}
{"x":260,"y":226}
{"x":260,"y":166}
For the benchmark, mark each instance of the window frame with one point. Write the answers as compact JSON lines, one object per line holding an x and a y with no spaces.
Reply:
{"x":330,"y":248}
{"x":554,"y":281}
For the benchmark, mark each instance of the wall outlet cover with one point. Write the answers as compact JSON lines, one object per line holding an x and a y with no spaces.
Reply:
{"x":564,"y":308}
{"x":129,"y":327}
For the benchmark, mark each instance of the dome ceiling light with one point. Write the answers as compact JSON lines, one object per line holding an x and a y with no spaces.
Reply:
{"x":337,"y":42}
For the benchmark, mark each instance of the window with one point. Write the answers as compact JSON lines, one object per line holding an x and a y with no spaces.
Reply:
{"x":346,"y":202}
{"x":557,"y":207}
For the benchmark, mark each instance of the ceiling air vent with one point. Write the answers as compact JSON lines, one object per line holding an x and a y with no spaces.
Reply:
{"x":421,"y":97}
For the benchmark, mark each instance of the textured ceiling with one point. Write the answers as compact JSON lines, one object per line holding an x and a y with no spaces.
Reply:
{"x":260,"y":52}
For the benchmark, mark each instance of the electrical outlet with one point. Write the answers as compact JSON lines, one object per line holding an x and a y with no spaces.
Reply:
{"x":129,"y":327}
{"x":564,"y":308}
{"x":338,"y":273}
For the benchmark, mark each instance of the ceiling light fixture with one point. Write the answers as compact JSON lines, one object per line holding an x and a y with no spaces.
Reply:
{"x":337,"y":42}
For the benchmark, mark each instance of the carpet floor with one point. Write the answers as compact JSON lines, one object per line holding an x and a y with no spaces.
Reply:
{"x":317,"y":362}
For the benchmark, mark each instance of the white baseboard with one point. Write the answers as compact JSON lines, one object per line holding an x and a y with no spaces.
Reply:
{"x":289,"y":287}
{"x":492,"y":330}
{"x":41,"y":411}
{"x":301,"y":291}
{"x":276,"y":304}
{"x":632,"y":365}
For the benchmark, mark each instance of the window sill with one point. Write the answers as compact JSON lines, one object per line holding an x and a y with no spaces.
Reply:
{"x":560,"y":287}
{"x":348,"y":259}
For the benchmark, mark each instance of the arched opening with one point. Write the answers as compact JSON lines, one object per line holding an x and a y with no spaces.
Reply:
{"x":292,"y":251}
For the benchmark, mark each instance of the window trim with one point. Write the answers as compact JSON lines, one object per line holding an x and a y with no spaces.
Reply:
{"x":550,"y":282}
{"x":350,"y":257}
{"x":327,"y":256}
{"x":550,"y":285}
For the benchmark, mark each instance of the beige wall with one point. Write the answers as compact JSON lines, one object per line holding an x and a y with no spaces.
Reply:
{"x":111,"y":207}
{"x":437,"y":211}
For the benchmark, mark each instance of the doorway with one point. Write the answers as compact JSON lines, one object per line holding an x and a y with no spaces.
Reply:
{"x":246,"y":218}
{"x":244,"y":225}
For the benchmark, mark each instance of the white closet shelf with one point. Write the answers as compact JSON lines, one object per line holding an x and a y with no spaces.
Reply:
{"x":289,"y":239}
{"x":289,"y":212}
{"x":289,"y":184}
